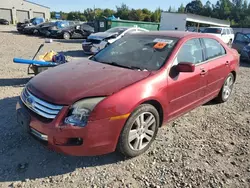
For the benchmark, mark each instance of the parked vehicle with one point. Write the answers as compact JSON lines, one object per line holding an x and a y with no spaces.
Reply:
{"x":46,"y":30}
{"x":119,"y":97}
{"x":35,"y":29}
{"x":242,"y":45}
{"x":33,"y":21}
{"x":75,"y":31}
{"x":4,"y":22}
{"x":226,"y":34}
{"x":97,"y":41}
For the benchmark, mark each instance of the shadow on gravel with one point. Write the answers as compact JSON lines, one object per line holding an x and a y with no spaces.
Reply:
{"x":23,"y":157}
{"x":210,"y":103}
{"x":74,"y":53}
{"x":12,"y":32}
{"x":15,"y":82}
{"x":244,"y":64}
{"x":78,"y":41}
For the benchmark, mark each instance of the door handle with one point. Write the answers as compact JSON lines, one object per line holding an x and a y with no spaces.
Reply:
{"x":203,"y":72}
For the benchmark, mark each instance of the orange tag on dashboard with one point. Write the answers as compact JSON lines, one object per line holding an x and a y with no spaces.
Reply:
{"x":160,"y":45}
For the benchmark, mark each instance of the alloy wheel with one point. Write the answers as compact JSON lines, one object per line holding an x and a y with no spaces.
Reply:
{"x":228,"y":87}
{"x":142,"y":131}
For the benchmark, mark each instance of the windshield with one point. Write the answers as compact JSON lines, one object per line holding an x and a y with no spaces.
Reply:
{"x":118,"y":30}
{"x":248,"y":34}
{"x":212,"y":30}
{"x":138,"y":52}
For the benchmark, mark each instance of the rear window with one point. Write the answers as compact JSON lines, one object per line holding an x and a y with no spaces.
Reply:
{"x":144,"y":52}
{"x":213,"y":30}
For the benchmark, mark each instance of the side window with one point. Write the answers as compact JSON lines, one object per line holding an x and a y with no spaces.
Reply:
{"x":190,"y":52}
{"x":213,"y":48}
{"x":241,"y":37}
{"x":227,"y":31}
{"x":223,"y":31}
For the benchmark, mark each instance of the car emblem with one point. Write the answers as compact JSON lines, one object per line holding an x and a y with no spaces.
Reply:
{"x":30,"y":102}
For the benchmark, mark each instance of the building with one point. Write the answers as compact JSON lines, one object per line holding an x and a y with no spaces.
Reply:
{"x":178,"y":21}
{"x":19,"y":10}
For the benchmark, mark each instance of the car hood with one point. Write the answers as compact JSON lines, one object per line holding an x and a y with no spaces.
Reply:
{"x":73,"y":81}
{"x":101,"y":35}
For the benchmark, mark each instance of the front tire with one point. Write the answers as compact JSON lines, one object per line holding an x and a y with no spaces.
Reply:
{"x":139,"y":131}
{"x":226,"y":89}
{"x":66,"y":36}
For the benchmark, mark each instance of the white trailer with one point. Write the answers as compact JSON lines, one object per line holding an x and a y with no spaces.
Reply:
{"x":178,"y":21}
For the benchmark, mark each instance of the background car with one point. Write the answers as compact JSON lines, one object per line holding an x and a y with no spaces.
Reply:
{"x":75,"y":31}
{"x":34,"y":21}
{"x":4,"y":22}
{"x":46,"y":30}
{"x":226,"y":34}
{"x":35,"y":29}
{"x":242,"y":45}
{"x":97,"y":41}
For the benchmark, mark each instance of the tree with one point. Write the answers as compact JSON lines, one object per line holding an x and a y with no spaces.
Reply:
{"x":76,"y":16}
{"x":194,"y":7}
{"x":181,"y":9}
{"x":136,"y":15}
{"x":122,"y":11}
{"x":89,"y":14}
{"x":156,"y":16}
{"x":207,"y":9}
{"x":108,"y":12}
{"x":170,"y":9}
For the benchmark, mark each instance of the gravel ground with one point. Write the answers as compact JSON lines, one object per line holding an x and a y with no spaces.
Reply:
{"x":208,"y":147}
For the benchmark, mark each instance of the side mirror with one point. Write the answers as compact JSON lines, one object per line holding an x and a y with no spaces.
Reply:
{"x":77,"y":27}
{"x":185,"y":67}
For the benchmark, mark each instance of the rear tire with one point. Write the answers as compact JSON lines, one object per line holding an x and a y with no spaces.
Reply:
{"x":66,"y":36}
{"x":226,"y":89}
{"x":139,"y":131}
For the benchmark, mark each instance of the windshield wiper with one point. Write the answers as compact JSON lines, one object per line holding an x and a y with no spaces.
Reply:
{"x":123,"y":66}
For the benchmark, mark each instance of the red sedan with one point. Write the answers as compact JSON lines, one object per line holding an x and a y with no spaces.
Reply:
{"x":119,"y":98}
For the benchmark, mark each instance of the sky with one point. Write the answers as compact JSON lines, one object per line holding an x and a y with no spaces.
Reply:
{"x":80,"y":5}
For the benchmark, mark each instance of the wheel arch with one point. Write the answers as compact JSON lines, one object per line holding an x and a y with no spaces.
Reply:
{"x":234,"y":73}
{"x":158,"y":107}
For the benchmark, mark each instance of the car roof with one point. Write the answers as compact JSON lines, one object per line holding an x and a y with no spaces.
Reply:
{"x":219,"y":27}
{"x":175,"y":34}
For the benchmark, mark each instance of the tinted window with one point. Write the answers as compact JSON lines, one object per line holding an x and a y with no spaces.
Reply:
{"x":144,"y":52}
{"x":213,"y":48}
{"x":212,"y":30}
{"x":241,"y":37}
{"x":190,"y":52}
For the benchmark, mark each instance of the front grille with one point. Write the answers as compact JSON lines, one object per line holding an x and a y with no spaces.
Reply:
{"x":40,"y":107}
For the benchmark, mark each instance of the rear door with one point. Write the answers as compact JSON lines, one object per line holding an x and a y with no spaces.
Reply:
{"x":240,"y":41}
{"x":218,"y":65}
{"x":186,"y":90}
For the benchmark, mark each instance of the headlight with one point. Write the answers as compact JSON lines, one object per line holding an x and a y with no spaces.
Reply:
{"x":80,"y":111}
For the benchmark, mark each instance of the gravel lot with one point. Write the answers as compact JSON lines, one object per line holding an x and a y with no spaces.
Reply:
{"x":208,"y":147}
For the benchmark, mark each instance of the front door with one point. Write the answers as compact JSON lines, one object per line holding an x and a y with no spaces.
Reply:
{"x":186,"y":90}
